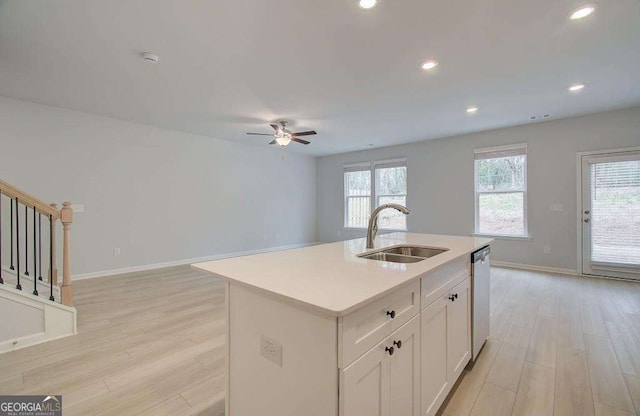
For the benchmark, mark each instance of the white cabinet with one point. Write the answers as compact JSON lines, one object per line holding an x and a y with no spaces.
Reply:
{"x":405,"y":370}
{"x":386,"y":380}
{"x":446,"y":345}
{"x":363,"y":329}
{"x":458,"y":331}
{"x":434,"y":355}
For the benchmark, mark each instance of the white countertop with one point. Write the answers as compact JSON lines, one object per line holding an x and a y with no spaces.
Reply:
{"x":330,"y":278}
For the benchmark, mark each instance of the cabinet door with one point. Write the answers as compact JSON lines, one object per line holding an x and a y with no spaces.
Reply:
{"x":365,"y":385}
{"x":405,"y":370}
{"x":458,"y":331}
{"x":433,"y":334}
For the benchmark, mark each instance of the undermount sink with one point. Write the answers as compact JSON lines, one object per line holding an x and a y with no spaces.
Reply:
{"x":403,"y":254}
{"x":424,"y":252}
{"x":394,"y":258}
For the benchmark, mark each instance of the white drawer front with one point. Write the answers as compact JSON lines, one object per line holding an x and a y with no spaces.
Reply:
{"x":435,"y":283}
{"x":364,"y":328}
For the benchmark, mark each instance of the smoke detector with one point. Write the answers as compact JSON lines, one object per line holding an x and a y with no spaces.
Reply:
{"x":149,"y":57}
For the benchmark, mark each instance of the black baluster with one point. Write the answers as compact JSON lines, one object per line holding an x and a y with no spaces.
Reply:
{"x":51,"y":256}
{"x":26,"y":241}
{"x":18,"y":246}
{"x":1,"y":281}
{"x":35,"y":270}
{"x":40,"y":245}
{"x":11,"y":245}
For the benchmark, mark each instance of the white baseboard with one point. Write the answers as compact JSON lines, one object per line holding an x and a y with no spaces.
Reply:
{"x":154,"y":266}
{"x":556,"y":270}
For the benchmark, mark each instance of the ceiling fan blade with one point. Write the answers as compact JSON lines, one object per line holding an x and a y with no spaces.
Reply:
{"x":293,"y":139}
{"x":260,"y":134}
{"x":304,"y":133}
{"x":273,"y":142}
{"x":275,"y":127}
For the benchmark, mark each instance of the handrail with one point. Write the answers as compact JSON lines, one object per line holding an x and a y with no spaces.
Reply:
{"x":65,"y":215}
{"x":28,"y":200}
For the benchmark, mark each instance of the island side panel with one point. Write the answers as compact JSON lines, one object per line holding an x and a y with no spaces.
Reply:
{"x":307,"y":381}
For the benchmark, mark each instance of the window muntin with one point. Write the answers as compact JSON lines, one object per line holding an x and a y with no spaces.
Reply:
{"x":501,"y":191}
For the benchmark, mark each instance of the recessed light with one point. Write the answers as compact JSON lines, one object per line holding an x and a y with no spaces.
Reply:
{"x":583,"y":11}
{"x":368,"y":4}
{"x":472,"y":110}
{"x":430,"y":64}
{"x":576,"y":87}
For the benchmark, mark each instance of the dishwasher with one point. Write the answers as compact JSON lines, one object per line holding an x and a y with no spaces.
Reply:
{"x":480,"y":295}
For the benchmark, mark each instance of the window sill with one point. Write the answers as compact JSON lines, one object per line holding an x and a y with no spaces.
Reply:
{"x":504,"y":237}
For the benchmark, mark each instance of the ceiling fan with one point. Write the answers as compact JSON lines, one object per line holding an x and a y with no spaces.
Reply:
{"x":284,"y":136}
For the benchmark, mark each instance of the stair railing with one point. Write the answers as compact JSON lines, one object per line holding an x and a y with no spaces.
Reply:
{"x":21,"y":203}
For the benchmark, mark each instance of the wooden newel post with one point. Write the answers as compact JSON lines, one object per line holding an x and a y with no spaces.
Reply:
{"x":67,"y":289}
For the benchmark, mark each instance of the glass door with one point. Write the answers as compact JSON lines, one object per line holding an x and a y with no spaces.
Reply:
{"x":611,"y":215}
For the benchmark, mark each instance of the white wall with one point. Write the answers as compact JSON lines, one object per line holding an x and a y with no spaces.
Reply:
{"x":158,"y":195}
{"x":440,"y":182}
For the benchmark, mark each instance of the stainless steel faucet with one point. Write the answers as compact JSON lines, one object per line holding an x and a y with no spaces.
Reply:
{"x":373,"y":221}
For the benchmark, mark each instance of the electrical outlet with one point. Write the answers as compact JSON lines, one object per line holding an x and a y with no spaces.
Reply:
{"x":547,"y":249}
{"x":271,"y":350}
{"x":77,"y":207}
{"x":116,"y":251}
{"x":556,"y":207}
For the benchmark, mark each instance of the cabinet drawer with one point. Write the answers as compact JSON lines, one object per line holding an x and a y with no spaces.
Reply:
{"x":434,"y":284}
{"x":361,"y":330}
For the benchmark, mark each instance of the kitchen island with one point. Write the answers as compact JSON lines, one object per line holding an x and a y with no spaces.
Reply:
{"x":322,"y":331}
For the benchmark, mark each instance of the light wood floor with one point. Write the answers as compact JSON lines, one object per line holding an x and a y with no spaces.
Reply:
{"x":149,"y":343}
{"x":559,"y":346}
{"x":152,"y":343}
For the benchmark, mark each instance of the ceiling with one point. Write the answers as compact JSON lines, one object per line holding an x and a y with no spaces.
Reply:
{"x":231,"y":66}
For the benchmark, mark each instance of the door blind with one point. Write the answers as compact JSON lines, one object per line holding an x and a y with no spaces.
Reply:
{"x":615,"y":213}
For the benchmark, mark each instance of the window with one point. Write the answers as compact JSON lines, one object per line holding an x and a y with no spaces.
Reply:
{"x":501,"y":190}
{"x":357,"y":190}
{"x":369,"y":185}
{"x":391,"y":187}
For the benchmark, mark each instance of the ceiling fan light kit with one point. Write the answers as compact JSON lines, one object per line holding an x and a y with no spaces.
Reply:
{"x":284,"y":136}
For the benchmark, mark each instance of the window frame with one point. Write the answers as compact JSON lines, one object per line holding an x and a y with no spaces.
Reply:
{"x":497,"y":152}
{"x":372,"y":167}
{"x":355,"y":167}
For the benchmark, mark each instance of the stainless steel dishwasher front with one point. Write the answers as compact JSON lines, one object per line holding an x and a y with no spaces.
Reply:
{"x":480,"y":297}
